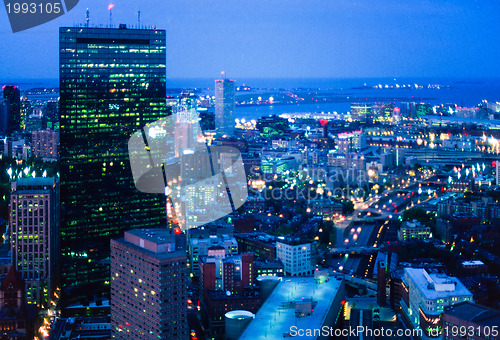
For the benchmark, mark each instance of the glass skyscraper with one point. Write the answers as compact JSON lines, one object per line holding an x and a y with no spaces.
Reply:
{"x":112,"y":83}
{"x":224,"y":106}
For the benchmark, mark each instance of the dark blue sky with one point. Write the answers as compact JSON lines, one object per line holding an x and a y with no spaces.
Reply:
{"x":288,"y":38}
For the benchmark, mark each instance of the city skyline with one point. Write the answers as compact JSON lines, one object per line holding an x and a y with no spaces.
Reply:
{"x":288,"y":39}
{"x":349,"y":176}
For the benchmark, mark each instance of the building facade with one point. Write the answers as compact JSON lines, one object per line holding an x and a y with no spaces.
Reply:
{"x":34,"y":204}
{"x":112,"y":83}
{"x":4,"y":116}
{"x":149,"y":285}
{"x":428,"y":294}
{"x":13,"y":95}
{"x":469,"y":319}
{"x":226,"y":284}
{"x":297,"y":258}
{"x":45,"y":144}
{"x":199,"y":246}
{"x":224,"y":106}
{"x":413,"y":230}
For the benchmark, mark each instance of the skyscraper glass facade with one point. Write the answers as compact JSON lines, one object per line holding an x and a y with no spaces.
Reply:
{"x":112,"y":83}
{"x":224,"y":106}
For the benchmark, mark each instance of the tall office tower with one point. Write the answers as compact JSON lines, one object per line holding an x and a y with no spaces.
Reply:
{"x":13,"y":94}
{"x":26,"y":110}
{"x":45,"y":144}
{"x":149,"y":285}
{"x":224,"y":106}
{"x":497,"y":171}
{"x":34,"y":204}
{"x":112,"y":83}
{"x":186,"y":128}
{"x":4,"y":116}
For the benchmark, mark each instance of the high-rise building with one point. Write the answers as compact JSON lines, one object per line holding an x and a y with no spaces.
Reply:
{"x":4,"y":116}
{"x":25,"y":111}
{"x":497,"y":171}
{"x":112,"y":83}
{"x":34,"y":204}
{"x":45,"y":144}
{"x":149,"y":285}
{"x":224,"y":106}
{"x":13,"y":95}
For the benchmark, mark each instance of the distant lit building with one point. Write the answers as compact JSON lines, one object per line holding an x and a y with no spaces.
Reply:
{"x":199,"y":247}
{"x":34,"y":204}
{"x":224,"y":106}
{"x":428,"y":295}
{"x":383,"y":112}
{"x":360,"y":111}
{"x":13,"y":95}
{"x":278,"y":165}
{"x":35,"y":121}
{"x":26,"y":110}
{"x":474,"y":267}
{"x":351,"y":141}
{"x":297,"y":258}
{"x":51,"y":112}
{"x":261,"y":244}
{"x":149,"y":285}
{"x":269,"y":268}
{"x":226,"y":284}
{"x":422,"y":109}
{"x":4,"y":116}
{"x":45,"y":144}
{"x":497,"y":171}
{"x":408,"y":109}
{"x":413,"y":230}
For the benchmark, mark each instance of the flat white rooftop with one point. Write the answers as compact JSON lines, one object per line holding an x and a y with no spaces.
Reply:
{"x":274,"y":319}
{"x":437,"y":286}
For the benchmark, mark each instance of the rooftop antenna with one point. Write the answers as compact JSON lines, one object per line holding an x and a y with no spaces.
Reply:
{"x":223,"y":74}
{"x":87,"y":18}
{"x":110,"y":7}
{"x":139,"y":19}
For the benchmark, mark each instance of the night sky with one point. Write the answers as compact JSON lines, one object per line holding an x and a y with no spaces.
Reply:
{"x":287,"y":38}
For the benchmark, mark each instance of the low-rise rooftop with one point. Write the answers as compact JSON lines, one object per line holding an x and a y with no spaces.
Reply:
{"x":278,"y":313}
